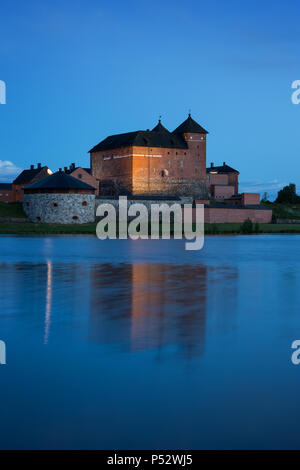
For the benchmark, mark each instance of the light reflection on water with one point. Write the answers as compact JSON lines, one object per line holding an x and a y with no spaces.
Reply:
{"x":143,"y":345}
{"x":155,"y":305}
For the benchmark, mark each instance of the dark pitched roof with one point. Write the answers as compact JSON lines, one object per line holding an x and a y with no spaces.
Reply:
{"x":160,"y":128}
{"x":59,"y":180}
{"x":189,"y":125}
{"x":27,"y":175}
{"x":7,"y":186}
{"x":153,"y":138}
{"x":221,"y":169}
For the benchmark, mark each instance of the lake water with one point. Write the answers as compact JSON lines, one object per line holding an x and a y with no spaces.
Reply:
{"x":143,"y":345}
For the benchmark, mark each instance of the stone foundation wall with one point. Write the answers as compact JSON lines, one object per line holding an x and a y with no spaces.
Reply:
{"x":173,"y":186}
{"x":60,"y":208}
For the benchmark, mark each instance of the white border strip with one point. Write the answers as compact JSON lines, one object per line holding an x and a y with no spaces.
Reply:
{"x":133,"y":155}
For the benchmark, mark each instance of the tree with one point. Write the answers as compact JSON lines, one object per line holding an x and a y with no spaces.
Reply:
{"x":288,"y":195}
{"x":247,"y":226}
{"x":264,"y":198}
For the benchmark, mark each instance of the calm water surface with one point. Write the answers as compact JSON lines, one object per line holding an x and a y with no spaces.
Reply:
{"x":141,"y":344}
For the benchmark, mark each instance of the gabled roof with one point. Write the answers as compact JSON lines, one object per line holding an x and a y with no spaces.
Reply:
{"x":153,"y":138}
{"x":7,"y":186}
{"x":70,"y":170}
{"x":27,"y":175}
{"x":190,"y":126}
{"x":59,"y":180}
{"x":221,"y":169}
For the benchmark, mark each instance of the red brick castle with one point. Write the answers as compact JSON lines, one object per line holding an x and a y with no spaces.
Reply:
{"x":153,"y":162}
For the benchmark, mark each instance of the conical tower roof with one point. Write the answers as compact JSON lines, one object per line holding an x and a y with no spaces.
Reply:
{"x":190,"y":126}
{"x":160,"y":128}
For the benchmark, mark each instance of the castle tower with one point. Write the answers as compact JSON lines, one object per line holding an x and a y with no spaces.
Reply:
{"x":195,"y":137}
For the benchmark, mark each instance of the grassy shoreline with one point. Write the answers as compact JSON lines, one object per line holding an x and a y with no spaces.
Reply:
{"x":14,"y":210}
{"x":90,"y":229}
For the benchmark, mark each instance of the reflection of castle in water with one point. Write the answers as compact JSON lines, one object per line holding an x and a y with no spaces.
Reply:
{"x":149,"y":305}
{"x":137,"y":306}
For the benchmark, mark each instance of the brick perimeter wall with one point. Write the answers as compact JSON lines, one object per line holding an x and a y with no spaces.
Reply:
{"x":227,"y":215}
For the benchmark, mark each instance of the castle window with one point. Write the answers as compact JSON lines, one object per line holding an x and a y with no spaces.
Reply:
{"x":181,"y":163}
{"x":27,"y":204}
{"x":176,"y":153}
{"x":80,"y":175}
{"x":74,"y":217}
{"x":54,"y":204}
{"x":169,"y":163}
{"x":84,"y":203}
{"x":196,"y":169}
{"x":38,"y":218}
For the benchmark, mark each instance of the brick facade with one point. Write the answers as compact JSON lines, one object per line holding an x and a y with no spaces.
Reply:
{"x":6,"y":194}
{"x":17,"y":188}
{"x":221,"y":192}
{"x":86,"y":177}
{"x":250,"y":198}
{"x":153,"y":162}
{"x":154,"y":170}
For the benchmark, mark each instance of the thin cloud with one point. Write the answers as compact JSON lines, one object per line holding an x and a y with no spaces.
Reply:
{"x":256,"y":186}
{"x":8,"y":171}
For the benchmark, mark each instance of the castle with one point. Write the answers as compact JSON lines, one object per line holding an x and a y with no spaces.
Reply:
{"x":157,"y":162}
{"x":153,"y":162}
{"x":151,"y":165}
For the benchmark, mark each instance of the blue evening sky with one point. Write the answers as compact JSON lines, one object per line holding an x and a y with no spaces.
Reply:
{"x":77,"y":71}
